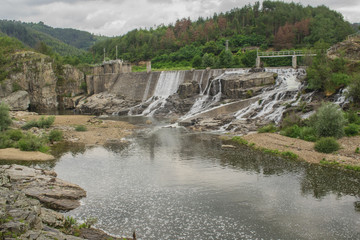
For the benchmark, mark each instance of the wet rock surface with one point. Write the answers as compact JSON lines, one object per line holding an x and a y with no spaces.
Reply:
{"x":25,"y":197}
{"x":44,"y":186}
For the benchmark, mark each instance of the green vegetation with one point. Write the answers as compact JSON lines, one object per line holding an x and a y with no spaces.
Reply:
{"x":327,"y":145}
{"x":32,"y":143}
{"x":183,"y":44}
{"x":239,"y":140}
{"x":271,"y":128}
{"x":352,"y":129}
{"x":5,"y":120}
{"x":55,"y":136}
{"x":81,"y":128}
{"x":329,"y":121}
{"x":41,"y":123}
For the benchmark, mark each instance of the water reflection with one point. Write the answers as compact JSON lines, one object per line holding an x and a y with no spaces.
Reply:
{"x":172,"y":184}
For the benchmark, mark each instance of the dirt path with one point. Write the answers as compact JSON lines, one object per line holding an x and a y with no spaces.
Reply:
{"x":305,"y":150}
{"x":16,"y":154}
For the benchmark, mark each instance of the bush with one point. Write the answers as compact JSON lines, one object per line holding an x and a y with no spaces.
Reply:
{"x":80,"y":128}
{"x":308,"y":134}
{"x":55,"y":136}
{"x":354,"y":88}
{"x":32,"y":143}
{"x":293,"y":131}
{"x":329,"y":121}
{"x":327,"y":145}
{"x":5,"y":141}
{"x":41,"y":123}
{"x":352,"y":129}
{"x":5,"y":120}
{"x":352,"y":117}
{"x":268,"y":128}
{"x":15,"y":134}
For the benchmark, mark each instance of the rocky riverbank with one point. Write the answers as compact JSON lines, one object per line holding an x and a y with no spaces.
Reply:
{"x":28,"y":200}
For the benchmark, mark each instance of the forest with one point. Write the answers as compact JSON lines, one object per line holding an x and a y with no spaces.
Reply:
{"x":185,"y":44}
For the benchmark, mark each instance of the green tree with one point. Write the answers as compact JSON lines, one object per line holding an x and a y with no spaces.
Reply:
{"x":197,"y":62}
{"x":208,"y":60}
{"x":226,"y":59}
{"x":5,"y":120}
{"x":329,"y":121}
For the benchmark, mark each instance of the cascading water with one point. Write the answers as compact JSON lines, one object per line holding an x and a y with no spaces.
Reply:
{"x":167,"y":85}
{"x":273,"y":100}
{"x":147,"y":89}
{"x":205,"y":101}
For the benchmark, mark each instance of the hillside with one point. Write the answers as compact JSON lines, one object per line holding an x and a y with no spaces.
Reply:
{"x":275,"y":25}
{"x":65,"y":42}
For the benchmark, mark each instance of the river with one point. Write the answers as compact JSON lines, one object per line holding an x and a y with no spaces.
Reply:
{"x":169,"y":183}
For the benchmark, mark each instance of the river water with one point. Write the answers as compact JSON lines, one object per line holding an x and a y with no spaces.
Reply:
{"x":172,"y":184}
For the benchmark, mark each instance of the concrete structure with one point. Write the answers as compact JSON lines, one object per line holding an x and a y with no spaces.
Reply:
{"x":112,"y":67}
{"x":294,"y":54}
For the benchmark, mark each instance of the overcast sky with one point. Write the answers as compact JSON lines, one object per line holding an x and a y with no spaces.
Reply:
{"x":116,"y":17}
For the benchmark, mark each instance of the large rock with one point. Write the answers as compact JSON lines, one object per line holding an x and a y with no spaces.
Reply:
{"x":235,"y":86}
{"x":43,"y":185}
{"x":18,"y":101}
{"x":188,"y":89}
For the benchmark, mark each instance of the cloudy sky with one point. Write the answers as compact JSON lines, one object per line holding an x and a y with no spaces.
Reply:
{"x":116,"y":17}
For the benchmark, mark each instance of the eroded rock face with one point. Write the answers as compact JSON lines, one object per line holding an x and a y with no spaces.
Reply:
{"x":105,"y":103}
{"x":18,"y":101}
{"x":188,"y":89}
{"x":240,"y":86}
{"x":43,"y":185}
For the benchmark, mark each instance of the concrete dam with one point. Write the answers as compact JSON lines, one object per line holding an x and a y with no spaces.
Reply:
{"x":211,"y":98}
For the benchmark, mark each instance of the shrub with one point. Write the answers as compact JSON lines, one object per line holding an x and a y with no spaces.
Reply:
{"x":55,"y":136}
{"x":327,"y":145}
{"x":46,"y":122}
{"x":5,"y":120}
{"x":268,"y":128}
{"x":31,"y":143}
{"x":80,"y":128}
{"x":329,"y":121}
{"x":290,"y":155}
{"x":352,"y":129}
{"x":308,"y":134}
{"x":290,"y":120}
{"x":293,"y":131}
{"x":41,"y":123}
{"x":352,"y":117}
{"x":5,"y":141}
{"x":354,"y":88}
{"x":15,"y":134}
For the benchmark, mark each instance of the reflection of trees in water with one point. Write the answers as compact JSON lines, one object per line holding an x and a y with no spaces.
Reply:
{"x":63,"y":148}
{"x":320,"y":181}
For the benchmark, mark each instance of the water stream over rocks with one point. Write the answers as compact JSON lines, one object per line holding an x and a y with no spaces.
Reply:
{"x":169,"y":183}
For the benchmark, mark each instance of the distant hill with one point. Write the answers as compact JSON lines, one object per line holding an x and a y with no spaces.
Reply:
{"x":272,"y":24}
{"x":63,"y":41}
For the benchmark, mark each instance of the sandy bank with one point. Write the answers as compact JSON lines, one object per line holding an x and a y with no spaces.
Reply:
{"x":16,"y":154}
{"x":305,"y":150}
{"x":98,"y":131}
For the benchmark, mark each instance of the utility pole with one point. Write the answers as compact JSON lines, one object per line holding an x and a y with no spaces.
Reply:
{"x":116,"y":52}
{"x":227,"y":45}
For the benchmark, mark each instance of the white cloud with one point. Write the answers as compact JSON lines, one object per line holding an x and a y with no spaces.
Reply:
{"x":114,"y":17}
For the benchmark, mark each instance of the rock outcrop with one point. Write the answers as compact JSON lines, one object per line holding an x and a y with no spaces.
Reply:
{"x":43,"y":185}
{"x":18,"y":101}
{"x":188,"y":89}
{"x":45,"y":81}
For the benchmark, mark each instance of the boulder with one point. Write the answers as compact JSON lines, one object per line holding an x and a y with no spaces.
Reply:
{"x":18,"y":101}
{"x":43,"y":185}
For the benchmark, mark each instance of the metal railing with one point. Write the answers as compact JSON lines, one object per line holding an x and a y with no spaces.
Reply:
{"x":287,"y":53}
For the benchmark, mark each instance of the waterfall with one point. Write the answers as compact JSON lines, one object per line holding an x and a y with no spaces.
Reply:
{"x":167,"y":85}
{"x":205,"y":102}
{"x":273,"y":100}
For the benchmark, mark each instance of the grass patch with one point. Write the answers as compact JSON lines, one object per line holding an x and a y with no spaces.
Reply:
{"x":351,"y":130}
{"x":55,"y":136}
{"x":81,"y":128}
{"x":239,"y":140}
{"x":271,"y":128}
